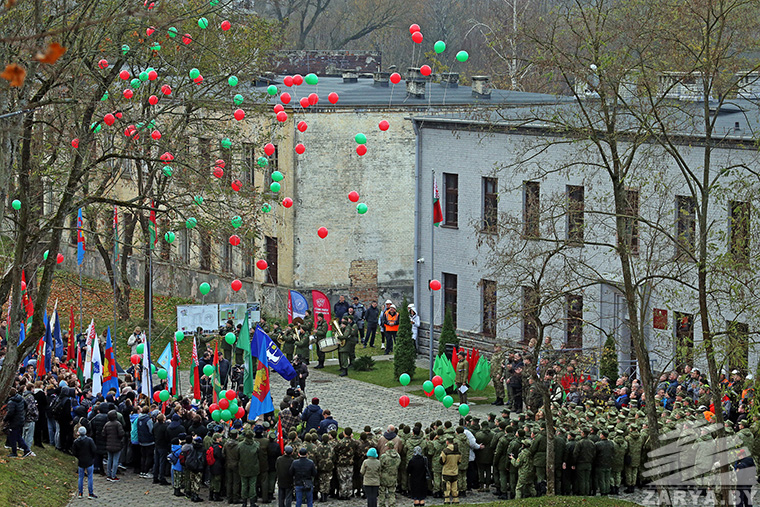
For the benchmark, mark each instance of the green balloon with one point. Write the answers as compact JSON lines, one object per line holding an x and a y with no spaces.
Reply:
{"x":198,"y":199}
{"x":208,"y":370}
{"x":226,"y":143}
{"x":135,"y":83}
{"x":360,"y":138}
{"x":95,"y":127}
{"x":205,"y":288}
{"x":236,"y":221}
{"x":216,"y":415}
{"x":155,"y":46}
{"x":140,"y":348}
{"x":233,"y":407}
{"x":226,"y":415}
{"x":143,"y":76}
{"x":275,"y":187}
{"x":427,"y":386}
{"x":194,"y":73}
{"x":172,"y":32}
{"x":311,"y":79}
{"x":179,"y":336}
{"x":439,"y":47}
{"x":361,"y":208}
{"x":167,"y":170}
{"x":232,"y":80}
{"x":191,"y":222}
{"x":163,"y":395}
{"x":464,"y":409}
{"x":152,"y":369}
{"x":202,"y":23}
{"x":124,"y":49}
{"x":262,"y":161}
{"x":170,"y":237}
{"x":272,"y":90}
{"x":277,"y":176}
{"x":463,"y":56}
{"x":213,"y":3}
{"x":163,"y":374}
{"x":104,"y":97}
{"x":45,"y":255}
{"x":440,"y":392}
{"x":266,"y":208}
{"x":16,"y":204}
{"x":230,"y":338}
{"x":238,"y":99}
{"x":447,"y":401}
{"x":404,"y":379}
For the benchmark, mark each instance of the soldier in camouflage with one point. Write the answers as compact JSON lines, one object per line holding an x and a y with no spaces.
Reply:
{"x":389,"y":467}
{"x":232,"y":461}
{"x":343,"y":455}
{"x":325,"y":466}
{"x":497,"y":373}
{"x":525,"y":471}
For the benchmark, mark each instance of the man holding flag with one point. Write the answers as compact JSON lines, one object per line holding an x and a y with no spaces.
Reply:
{"x":268,"y":355}
{"x":110,"y":376}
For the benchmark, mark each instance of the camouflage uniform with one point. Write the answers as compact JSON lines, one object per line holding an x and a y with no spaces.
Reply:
{"x":289,"y":343}
{"x":484,"y":457}
{"x":618,"y":460}
{"x":248,"y":451}
{"x":325,"y":466}
{"x":343,"y":455}
{"x":464,"y":460}
{"x":262,"y":483}
{"x":635,"y":443}
{"x":497,"y":375}
{"x":438,"y":445}
{"x":513,"y":450}
{"x":231,"y":464}
{"x":389,"y":466}
{"x":525,"y":472}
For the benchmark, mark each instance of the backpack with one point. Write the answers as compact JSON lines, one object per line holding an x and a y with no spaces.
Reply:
{"x":32,"y":412}
{"x":210,"y":459}
{"x":173,"y":457}
{"x":192,"y":461}
{"x":58,"y":407}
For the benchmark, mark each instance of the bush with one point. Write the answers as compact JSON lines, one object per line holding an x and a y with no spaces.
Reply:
{"x":448,"y":334}
{"x":364,"y":363}
{"x":608,"y":364}
{"x":404,"y":352}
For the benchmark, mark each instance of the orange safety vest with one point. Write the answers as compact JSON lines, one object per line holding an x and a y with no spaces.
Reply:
{"x":392,"y":321}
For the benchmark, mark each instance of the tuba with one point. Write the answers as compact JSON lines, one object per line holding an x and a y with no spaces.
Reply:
{"x":339,"y":333}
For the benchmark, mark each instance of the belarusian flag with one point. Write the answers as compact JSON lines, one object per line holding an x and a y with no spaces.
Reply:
{"x":195,"y":375}
{"x":244,"y":342}
{"x":175,"y":362}
{"x":437,"y":213}
{"x":153,"y":226}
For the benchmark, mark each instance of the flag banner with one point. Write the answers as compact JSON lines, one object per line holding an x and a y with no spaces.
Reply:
{"x":153,"y":226}
{"x":194,"y":376}
{"x":164,"y":360}
{"x":481,"y":375}
{"x":444,"y":369}
{"x":70,"y":348}
{"x":261,"y":398}
{"x":26,"y":300}
{"x":277,"y":360}
{"x":216,"y":386}
{"x":110,"y":376}
{"x":146,"y":387}
{"x":473,"y":355}
{"x":80,"y":239}
{"x":174,"y":371}
{"x":48,"y":345}
{"x":57,"y":338}
{"x":97,"y":368}
{"x":244,"y":342}
{"x":115,"y":233}
{"x":437,"y":213}
{"x":41,"y":358}
{"x":321,"y":306}
{"x":297,"y":306}
{"x":87,"y":371}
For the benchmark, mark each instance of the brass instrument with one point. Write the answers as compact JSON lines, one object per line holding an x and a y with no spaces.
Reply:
{"x":339,"y":333}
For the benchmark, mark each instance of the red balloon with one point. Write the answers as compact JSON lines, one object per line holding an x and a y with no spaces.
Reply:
{"x":234,"y":240}
{"x":333,"y":98}
{"x":269,"y":149}
{"x":237,"y":185}
{"x":226,"y":25}
{"x":435,"y":284}
{"x":124,"y":74}
{"x":285,"y":98}
{"x":166,"y":90}
{"x":304,"y":102}
{"x":187,"y":39}
{"x":153,"y":100}
{"x":129,"y":131}
{"x":128,"y":94}
{"x":236,"y":285}
{"x":425,"y":70}
{"x":152,"y":75}
{"x":239,"y":114}
{"x":224,"y":403}
{"x":75,"y":144}
{"x":278,"y":108}
{"x":156,"y":135}
{"x":135,"y":359}
{"x":282,"y":116}
{"x":353,"y":196}
{"x":220,"y":163}
{"x":437,"y":380}
{"x":300,"y":148}
{"x":322,"y":232}
{"x":288,"y":81}
{"x":395,"y":78}
{"x":384,"y":125}
{"x":218,"y":172}
{"x":414,"y":27}
{"x":298,"y":80}
{"x":213,"y":406}
{"x":417,"y":37}
{"x":287,"y":202}
{"x":166,"y":158}
{"x":59,"y":258}
{"x":240,"y":413}
{"x":157,"y":397}
{"x":261,"y":264}
{"x":149,"y":31}
{"x":118,"y":115}
{"x":361,"y":150}
{"x":302,"y":126}
{"x":404,"y":401}
{"x":230,"y":394}
{"x":103,"y":63}
{"x":198,"y":80}
{"x":313,"y":99}
{"x":109,"y":119}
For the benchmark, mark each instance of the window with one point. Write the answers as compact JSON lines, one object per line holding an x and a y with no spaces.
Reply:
{"x":531,"y":209}
{"x":631,"y":219}
{"x":686,"y":225}
{"x":575,"y":207}
{"x":184,"y":246}
{"x":249,"y":163}
{"x":274,"y":160}
{"x":574,"y":321}
{"x":738,"y":347}
{"x":226,"y":255}
{"x":489,"y":307}
{"x":739,"y":233}
{"x":205,"y":264}
{"x":271,"y":247}
{"x":451,"y":203}
{"x":248,"y":262}
{"x":684,"y":326}
{"x":490,"y":204}
{"x":450,"y":296}
{"x":530,"y":312}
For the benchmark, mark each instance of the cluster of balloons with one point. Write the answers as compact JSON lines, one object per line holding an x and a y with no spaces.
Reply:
{"x":227,"y":407}
{"x":435,"y":387}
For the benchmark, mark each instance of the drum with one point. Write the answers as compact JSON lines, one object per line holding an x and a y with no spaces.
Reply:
{"x":328,"y":344}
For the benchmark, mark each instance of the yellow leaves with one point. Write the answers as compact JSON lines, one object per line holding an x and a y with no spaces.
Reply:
{"x":51,"y":55}
{"x":14,"y":74}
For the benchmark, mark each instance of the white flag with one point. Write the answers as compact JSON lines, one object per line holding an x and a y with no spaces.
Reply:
{"x":88,"y":356}
{"x":146,"y":386}
{"x":97,"y":368}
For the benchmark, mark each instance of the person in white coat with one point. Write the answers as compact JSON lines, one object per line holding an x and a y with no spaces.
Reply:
{"x":415,"y":319}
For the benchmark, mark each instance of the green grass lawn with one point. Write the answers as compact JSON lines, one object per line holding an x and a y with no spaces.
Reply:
{"x":381,"y":375}
{"x":555,"y":501}
{"x":47,"y":480}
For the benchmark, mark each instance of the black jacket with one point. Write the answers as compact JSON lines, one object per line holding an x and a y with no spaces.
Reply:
{"x":301,"y":470}
{"x":98,"y":423}
{"x":161,"y":435}
{"x":16,"y":412}
{"x":84,"y":450}
{"x":372,"y":315}
{"x":313,"y":416}
{"x":282,"y":469}
{"x":174,"y":429}
{"x":113,"y":436}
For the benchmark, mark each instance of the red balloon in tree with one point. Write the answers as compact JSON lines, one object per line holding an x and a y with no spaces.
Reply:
{"x":285,"y":98}
{"x":149,"y":31}
{"x":218,"y":172}
{"x":269,"y":149}
{"x":128,"y":94}
{"x":59,"y":258}
{"x":300,"y":148}
{"x":333,"y":98}
{"x":404,"y":401}
{"x":425,"y":70}
{"x":103,"y":63}
{"x":282,"y":116}
{"x":278,"y":108}
{"x":166,"y":89}
{"x":153,"y":100}
{"x":109,"y":119}
{"x":237,"y":185}
{"x":226,"y":25}
{"x":288,"y":81}
{"x":435,"y":284}
{"x":417,"y":37}
{"x":156,"y":135}
{"x":414,"y":27}
{"x":313,"y":99}
{"x":298,"y":80}
{"x":236,"y":285}
{"x":198,"y":80}
{"x":187,"y":39}
{"x":287,"y":202}
{"x":353,"y":196}
{"x":322,"y":232}
{"x":302,"y":126}
{"x":261,"y":264}
{"x":152,"y":75}
{"x":118,"y":115}
{"x":234,"y":240}
{"x":304,"y":102}
{"x":124,"y":74}
{"x":75,"y":144}
{"x":220,"y":163}
{"x":239,"y":114}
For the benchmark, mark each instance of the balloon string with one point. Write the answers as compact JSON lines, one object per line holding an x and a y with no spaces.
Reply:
{"x":393,"y":87}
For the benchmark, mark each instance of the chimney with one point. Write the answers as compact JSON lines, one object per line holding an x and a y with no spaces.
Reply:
{"x":415,"y":83}
{"x":481,"y":88}
{"x":349,"y":76}
{"x":450,"y":79}
{"x":380,"y":79}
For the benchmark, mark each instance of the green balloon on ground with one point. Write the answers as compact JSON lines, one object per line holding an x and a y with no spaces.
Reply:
{"x":230,"y":338}
{"x":172,"y":32}
{"x":311,"y":79}
{"x":167,"y":170}
{"x":232,"y":80}
{"x":163,"y":395}
{"x":360,"y":138}
{"x":194,"y":73}
{"x":198,"y":199}
{"x":202,"y":23}
{"x":143,"y":76}
{"x":262,"y":161}
{"x":447,"y":401}
{"x":404,"y":379}
{"x":439,"y":47}
{"x":275,"y":187}
{"x":361,"y":208}
{"x":179,"y":336}
{"x":440,"y":392}
{"x":238,"y":99}
{"x":272,"y":90}
{"x":170,"y":237}
{"x":124,"y":49}
{"x":236,"y":221}
{"x":208,"y":370}
{"x":226,"y":143}
{"x":463,"y":56}
{"x":140,"y":348}
{"x":277,"y":176}
{"x":191,"y":222}
{"x":216,"y":415}
{"x":428,"y":386}
{"x":16,"y":204}
{"x":205,"y":288}
{"x":163,"y":374}
{"x":135,"y":83}
{"x":464,"y":409}
{"x":266,"y":208}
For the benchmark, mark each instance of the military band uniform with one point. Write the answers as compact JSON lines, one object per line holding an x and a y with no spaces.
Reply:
{"x":319,"y":334}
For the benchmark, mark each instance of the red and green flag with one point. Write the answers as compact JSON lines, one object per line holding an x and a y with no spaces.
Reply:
{"x":215,"y":384}
{"x":437,"y":213}
{"x":196,"y":378}
{"x":153,"y":226}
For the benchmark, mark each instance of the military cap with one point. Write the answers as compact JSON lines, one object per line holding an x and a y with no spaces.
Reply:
{"x":233,"y":432}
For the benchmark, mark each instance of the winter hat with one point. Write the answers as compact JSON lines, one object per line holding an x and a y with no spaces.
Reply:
{"x":288,"y":449}
{"x":315,"y":401}
{"x":63,"y":384}
{"x":372,"y":452}
{"x":82,"y":430}
{"x":303,"y":451}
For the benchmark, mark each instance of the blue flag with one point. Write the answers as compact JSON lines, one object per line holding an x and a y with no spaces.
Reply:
{"x":80,"y":239}
{"x":57,"y":338}
{"x":277,"y":360}
{"x":21,"y":337}
{"x":48,"y":345}
{"x":110,"y":377}
{"x":261,"y":398}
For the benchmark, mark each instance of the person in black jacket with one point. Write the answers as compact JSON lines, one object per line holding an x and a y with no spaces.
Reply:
{"x":84,"y":450}
{"x":284,"y":478}
{"x":40,"y":429}
{"x":372,"y":315}
{"x":98,"y":422}
{"x":175,"y":428}
{"x":161,"y":450}
{"x":216,"y":470}
{"x":113,"y":436}
{"x":303,"y":472}
{"x":64,"y":419}
{"x":312,"y":415}
{"x":15,"y":417}
{"x":224,"y":370}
